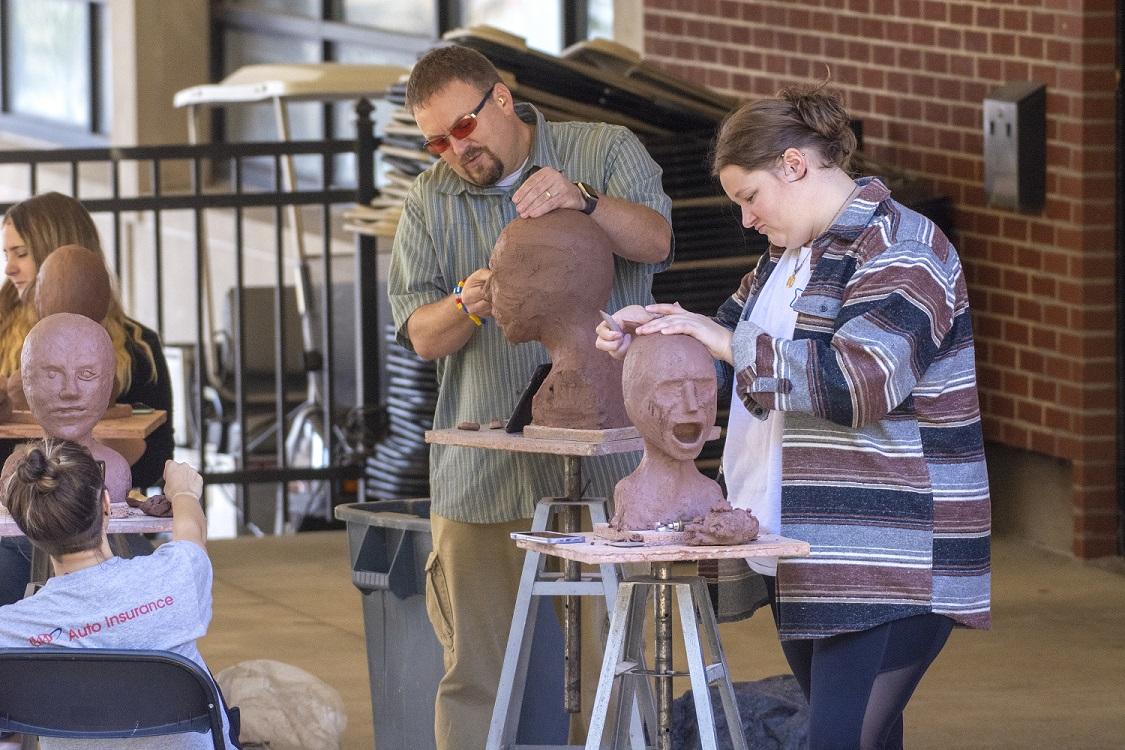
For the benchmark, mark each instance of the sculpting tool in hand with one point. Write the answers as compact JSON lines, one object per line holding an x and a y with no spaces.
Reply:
{"x":609,"y":321}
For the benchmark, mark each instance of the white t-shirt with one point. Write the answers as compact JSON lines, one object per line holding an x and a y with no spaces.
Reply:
{"x":752,"y":455}
{"x":158,"y":602}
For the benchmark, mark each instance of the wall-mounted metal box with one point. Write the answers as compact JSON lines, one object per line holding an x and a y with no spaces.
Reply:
{"x":1015,"y":146}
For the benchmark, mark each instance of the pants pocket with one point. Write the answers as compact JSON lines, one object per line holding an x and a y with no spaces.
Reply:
{"x":438,"y":605}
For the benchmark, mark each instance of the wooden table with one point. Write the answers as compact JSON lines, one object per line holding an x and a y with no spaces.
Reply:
{"x":135,"y":426}
{"x":624,"y":653}
{"x":134,"y":522}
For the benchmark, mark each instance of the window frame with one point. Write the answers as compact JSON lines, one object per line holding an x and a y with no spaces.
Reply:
{"x":43,"y":128}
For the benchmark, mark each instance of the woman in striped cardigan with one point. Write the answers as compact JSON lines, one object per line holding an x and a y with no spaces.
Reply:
{"x":855,"y":422}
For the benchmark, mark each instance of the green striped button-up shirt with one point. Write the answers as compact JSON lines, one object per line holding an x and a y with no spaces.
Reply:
{"x":447,"y":231}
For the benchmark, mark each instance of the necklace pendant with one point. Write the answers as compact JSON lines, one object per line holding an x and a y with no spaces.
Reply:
{"x":789,"y":282}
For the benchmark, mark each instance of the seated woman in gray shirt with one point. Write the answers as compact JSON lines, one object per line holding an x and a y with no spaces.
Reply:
{"x":97,"y":600}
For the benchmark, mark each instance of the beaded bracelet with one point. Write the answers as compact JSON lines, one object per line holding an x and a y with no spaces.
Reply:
{"x":461,"y":305}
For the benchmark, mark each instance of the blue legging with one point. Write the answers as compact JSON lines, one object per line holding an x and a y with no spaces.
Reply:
{"x":858,"y":684}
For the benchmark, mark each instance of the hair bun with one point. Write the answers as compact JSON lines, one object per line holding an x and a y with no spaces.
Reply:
{"x":822,"y":110}
{"x":36,"y":469}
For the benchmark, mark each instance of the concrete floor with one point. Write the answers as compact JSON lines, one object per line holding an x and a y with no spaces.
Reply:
{"x":1051,"y":673}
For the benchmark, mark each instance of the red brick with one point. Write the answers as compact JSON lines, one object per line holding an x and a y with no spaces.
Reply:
{"x":1043,"y":442}
{"x":1031,"y":361}
{"x":1045,"y":390}
{"x":1001,"y":43}
{"x":1003,"y":355}
{"x":1017,"y":333}
{"x":1056,"y":419}
{"x":1016,"y":70}
{"x":1044,"y":338}
{"x":988,"y":17}
{"x":960,"y":14}
{"x":976,"y":41}
{"x":1029,"y":310}
{"x":990,"y":69}
{"x":1043,"y":23}
{"x":935,"y":10}
{"x":1030,"y":46}
{"x":1015,"y":20}
{"x":949,"y":39}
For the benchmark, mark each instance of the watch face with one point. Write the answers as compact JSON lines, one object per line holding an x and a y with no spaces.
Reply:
{"x":590,"y":195}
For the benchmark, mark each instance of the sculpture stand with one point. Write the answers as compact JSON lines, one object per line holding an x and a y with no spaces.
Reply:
{"x":534,"y":581}
{"x":624,"y":654}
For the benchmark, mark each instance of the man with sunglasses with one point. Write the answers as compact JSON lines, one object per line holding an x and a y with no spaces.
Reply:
{"x":499,"y":160}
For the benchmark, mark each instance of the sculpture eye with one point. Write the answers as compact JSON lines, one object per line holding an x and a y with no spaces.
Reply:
{"x":87,"y":374}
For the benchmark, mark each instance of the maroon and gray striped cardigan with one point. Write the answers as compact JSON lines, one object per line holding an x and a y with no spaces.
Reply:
{"x":883,"y":468}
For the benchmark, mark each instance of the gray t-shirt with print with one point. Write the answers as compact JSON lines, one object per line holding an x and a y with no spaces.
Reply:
{"x":158,"y":602}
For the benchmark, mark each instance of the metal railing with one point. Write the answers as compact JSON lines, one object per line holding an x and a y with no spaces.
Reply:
{"x":133,"y":195}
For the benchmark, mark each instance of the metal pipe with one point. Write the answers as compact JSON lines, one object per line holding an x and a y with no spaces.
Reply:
{"x":663,"y":657}
{"x":572,"y":605}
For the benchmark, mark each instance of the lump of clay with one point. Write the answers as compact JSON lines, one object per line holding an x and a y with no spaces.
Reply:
{"x":550,"y":277}
{"x":670,"y":388}
{"x":14,"y":392}
{"x":73,"y":279}
{"x":67,"y":364}
{"x":157,"y":505}
{"x":5,"y":405}
{"x":723,"y":525}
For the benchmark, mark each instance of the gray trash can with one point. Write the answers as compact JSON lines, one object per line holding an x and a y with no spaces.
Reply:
{"x":389,"y":542}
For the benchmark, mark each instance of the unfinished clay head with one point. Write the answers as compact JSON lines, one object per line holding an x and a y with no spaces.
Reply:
{"x":547,"y":272}
{"x":67,"y":366}
{"x":73,"y":279}
{"x":669,"y":384}
{"x":550,"y":277}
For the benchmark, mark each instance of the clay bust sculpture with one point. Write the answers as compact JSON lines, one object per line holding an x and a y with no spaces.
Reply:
{"x":72,"y":279}
{"x":67,"y":364}
{"x":550,"y":277}
{"x":669,"y":384}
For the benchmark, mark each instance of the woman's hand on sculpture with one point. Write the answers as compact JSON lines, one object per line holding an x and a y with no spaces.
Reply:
{"x":674,"y":319}
{"x":616,"y":342}
{"x":544,"y":191}
{"x":475,"y":294}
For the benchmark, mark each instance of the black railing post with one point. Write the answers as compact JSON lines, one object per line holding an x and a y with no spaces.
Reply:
{"x":368,"y":362}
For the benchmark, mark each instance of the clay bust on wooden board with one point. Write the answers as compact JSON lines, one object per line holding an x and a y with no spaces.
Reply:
{"x":550,"y":277}
{"x":67,"y":365}
{"x":669,"y":384}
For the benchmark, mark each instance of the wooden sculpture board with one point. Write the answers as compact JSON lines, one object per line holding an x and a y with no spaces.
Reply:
{"x":134,"y":426}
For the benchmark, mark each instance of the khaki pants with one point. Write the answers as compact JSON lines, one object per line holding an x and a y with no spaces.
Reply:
{"x":473,"y":577}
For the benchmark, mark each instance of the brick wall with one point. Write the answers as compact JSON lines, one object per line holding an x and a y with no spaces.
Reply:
{"x":916,"y":72}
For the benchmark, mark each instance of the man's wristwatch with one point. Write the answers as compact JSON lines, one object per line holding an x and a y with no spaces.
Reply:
{"x":589,"y":195}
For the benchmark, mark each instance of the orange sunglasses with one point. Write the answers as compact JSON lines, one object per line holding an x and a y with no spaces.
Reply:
{"x":463,"y":128}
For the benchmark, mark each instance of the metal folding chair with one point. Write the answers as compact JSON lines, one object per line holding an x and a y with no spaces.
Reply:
{"x":90,"y":693}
